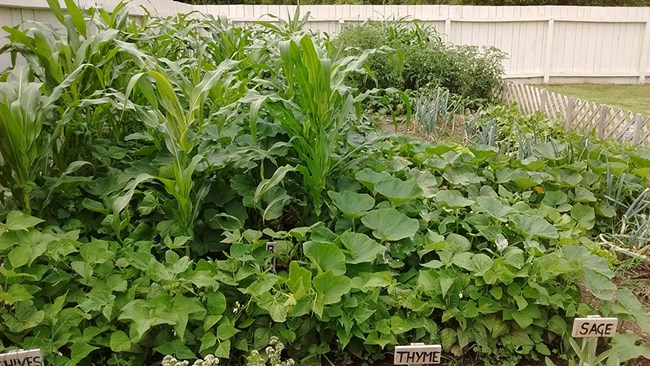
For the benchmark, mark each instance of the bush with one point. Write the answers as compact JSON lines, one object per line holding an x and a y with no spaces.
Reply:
{"x":466,"y":70}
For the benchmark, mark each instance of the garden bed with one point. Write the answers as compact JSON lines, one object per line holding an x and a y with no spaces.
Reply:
{"x":184,"y":187}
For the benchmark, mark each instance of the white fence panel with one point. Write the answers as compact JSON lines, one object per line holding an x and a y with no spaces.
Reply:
{"x":543,"y":43}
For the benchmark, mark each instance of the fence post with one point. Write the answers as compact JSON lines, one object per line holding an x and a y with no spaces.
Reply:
{"x":600,"y":129}
{"x":504,"y":93}
{"x":341,"y":24}
{"x":645,"y":53}
{"x":568,"y":117}
{"x":448,"y":29}
{"x":549,"y":51}
{"x":544,"y":102}
{"x":638,"y":123}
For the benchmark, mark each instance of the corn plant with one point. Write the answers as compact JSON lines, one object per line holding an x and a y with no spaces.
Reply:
{"x":177,"y":113}
{"x":313,"y":107}
{"x":25,"y":146}
{"x":89,"y":38}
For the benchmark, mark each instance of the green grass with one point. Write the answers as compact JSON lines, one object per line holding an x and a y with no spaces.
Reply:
{"x":635,"y":98}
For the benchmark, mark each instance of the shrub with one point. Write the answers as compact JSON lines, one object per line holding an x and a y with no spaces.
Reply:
{"x":466,"y":70}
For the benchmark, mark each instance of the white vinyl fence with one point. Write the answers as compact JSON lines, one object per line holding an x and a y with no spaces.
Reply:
{"x":580,"y":115}
{"x":543,"y":43}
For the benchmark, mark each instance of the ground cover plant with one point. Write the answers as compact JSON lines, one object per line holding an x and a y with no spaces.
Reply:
{"x":187,"y":188}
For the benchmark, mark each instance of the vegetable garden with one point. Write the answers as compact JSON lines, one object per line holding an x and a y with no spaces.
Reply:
{"x":186,"y":187}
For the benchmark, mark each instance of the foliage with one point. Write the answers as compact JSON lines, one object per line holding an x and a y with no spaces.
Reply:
{"x":505,"y":128}
{"x":464,"y":70}
{"x":623,"y":348}
{"x":189,"y":145}
{"x":436,"y":111}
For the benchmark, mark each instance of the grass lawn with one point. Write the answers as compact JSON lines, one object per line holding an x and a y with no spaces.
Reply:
{"x":635,"y":98}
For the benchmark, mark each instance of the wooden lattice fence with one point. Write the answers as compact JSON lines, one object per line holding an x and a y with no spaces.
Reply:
{"x":580,"y":115}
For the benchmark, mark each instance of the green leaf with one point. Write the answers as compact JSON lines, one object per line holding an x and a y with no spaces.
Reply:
{"x":453,"y":199}
{"x":361,"y":248}
{"x":325,"y":256}
{"x":216,"y":304}
{"x":329,"y":288}
{"x":146,"y":314}
{"x":463,"y":260}
{"x":225,"y":330}
{"x":120,"y":342}
{"x":80,"y":350}
{"x":633,"y":307}
{"x":448,"y":338}
{"x":455,"y":243}
{"x":299,"y":281}
{"x":627,"y":347}
{"x":17,"y":221}
{"x":480,"y":263}
{"x":15,"y":293}
{"x":398,"y":191}
{"x":554,"y":198}
{"x":26,"y":253}
{"x":207,"y":341}
{"x":584,"y":195}
{"x":96,"y":252}
{"x":223,"y":351}
{"x":390,"y":224}
{"x":369,"y":178}
{"x":543,"y":349}
{"x":599,"y":285}
{"x":493,"y":207}
{"x":557,"y":325}
{"x":351,"y":203}
{"x":535,"y":226}
{"x":274,"y":305}
{"x":83,"y":269}
{"x":585,"y":215}
{"x":525,"y":317}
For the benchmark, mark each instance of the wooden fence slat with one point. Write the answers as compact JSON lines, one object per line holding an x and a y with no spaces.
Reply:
{"x":580,"y":115}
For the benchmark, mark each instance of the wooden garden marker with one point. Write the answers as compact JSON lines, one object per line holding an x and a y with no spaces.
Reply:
{"x":32,"y":357}
{"x":594,"y":327}
{"x":591,"y":328}
{"x":418,"y":354}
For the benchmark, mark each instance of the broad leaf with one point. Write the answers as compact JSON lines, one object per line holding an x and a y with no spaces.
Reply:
{"x":390,"y":224}
{"x":398,"y":191}
{"x":326,"y":256}
{"x":351,"y":203}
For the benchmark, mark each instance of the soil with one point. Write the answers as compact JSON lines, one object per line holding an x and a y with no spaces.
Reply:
{"x":453,"y":132}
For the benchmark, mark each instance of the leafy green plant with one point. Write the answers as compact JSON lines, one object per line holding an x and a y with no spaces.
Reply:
{"x":465,"y":70}
{"x":25,"y":142}
{"x":315,"y":107}
{"x":623,"y":348}
{"x":193,"y":133}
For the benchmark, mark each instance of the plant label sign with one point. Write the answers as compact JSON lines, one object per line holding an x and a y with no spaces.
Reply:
{"x":594,"y":327}
{"x":30,"y":357}
{"x":418,"y":354}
